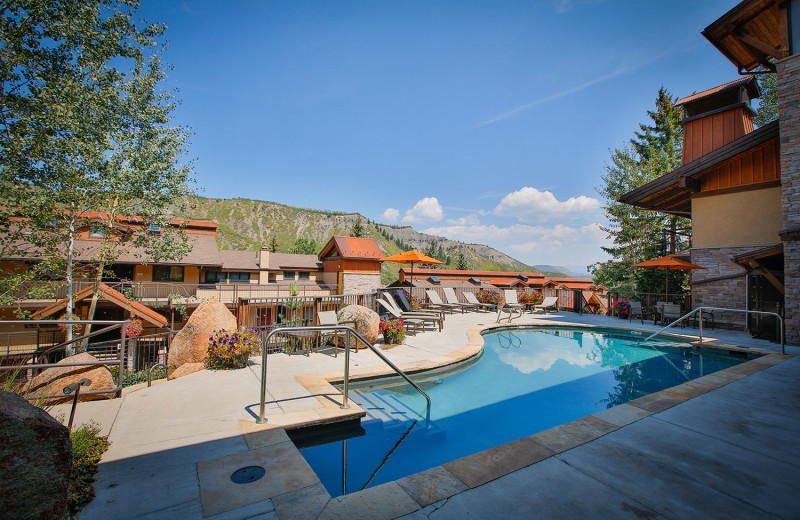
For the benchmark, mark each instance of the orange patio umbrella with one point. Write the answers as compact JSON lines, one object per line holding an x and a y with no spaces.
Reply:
{"x":411,"y":257}
{"x":667,"y":263}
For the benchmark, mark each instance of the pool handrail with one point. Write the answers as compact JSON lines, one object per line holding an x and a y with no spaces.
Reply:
{"x":693,"y":311}
{"x":263,"y":403}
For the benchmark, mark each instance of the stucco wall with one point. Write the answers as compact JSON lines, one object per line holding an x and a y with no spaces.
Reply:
{"x":737,"y":219}
{"x":357,"y":283}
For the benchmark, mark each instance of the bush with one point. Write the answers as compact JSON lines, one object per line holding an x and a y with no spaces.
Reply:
{"x":231,"y":349}
{"x":489,"y":296}
{"x":87,"y":448}
{"x":530,"y":298}
{"x":622,"y":307}
{"x":136,"y":377}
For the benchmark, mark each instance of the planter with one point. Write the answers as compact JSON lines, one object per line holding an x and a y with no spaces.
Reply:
{"x":391,"y":338}
{"x":623,"y":316}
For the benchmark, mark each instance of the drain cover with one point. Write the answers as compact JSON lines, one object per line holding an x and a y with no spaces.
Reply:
{"x":248,"y":474}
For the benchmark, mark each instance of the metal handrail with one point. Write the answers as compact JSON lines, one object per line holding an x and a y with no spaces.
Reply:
{"x":780,"y":322}
{"x":263,"y":404}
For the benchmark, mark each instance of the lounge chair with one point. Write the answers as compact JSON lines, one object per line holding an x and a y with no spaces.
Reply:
{"x":510,"y":295}
{"x":450,"y":296}
{"x":414,"y":320}
{"x":328,"y":318}
{"x":549,"y":303}
{"x":413,"y":313}
{"x":471,"y":298}
{"x":670,"y":312}
{"x":437,"y":303}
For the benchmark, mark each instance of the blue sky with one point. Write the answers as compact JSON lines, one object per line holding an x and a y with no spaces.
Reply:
{"x":487,"y":122}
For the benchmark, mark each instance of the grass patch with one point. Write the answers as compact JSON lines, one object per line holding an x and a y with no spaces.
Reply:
{"x":87,"y":448}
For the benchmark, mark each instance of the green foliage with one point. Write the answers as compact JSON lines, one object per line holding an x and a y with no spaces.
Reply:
{"x":305,"y":246}
{"x":358,"y":229}
{"x":231,"y":349}
{"x":135,"y":377}
{"x":768,"y":104}
{"x":273,"y":245}
{"x":638,"y":233}
{"x":461,"y":262}
{"x":392,"y":330}
{"x":87,"y":449}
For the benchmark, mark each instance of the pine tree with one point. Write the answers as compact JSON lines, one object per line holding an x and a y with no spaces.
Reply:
{"x":273,"y":245}
{"x":358,"y":229}
{"x":768,"y":104}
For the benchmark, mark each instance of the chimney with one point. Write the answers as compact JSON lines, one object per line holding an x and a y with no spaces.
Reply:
{"x":717,"y":116}
{"x":263,"y":258}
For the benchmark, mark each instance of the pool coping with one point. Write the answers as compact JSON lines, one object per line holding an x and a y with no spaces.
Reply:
{"x":414,"y":492}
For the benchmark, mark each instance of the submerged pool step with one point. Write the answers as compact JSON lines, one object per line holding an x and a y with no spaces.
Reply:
{"x":387,"y":409}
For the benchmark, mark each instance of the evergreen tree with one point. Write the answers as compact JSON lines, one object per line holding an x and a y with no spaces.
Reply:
{"x":305,"y":246}
{"x":273,"y":245}
{"x":462,"y":264}
{"x":768,"y":103}
{"x":638,"y":233}
{"x":358,"y":229}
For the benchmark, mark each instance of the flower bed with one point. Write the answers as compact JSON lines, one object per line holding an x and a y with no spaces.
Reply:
{"x":529,"y":298}
{"x":231,"y":349}
{"x":489,"y":296}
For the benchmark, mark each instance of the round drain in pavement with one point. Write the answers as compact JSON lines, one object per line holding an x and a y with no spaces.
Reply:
{"x":248,"y":474}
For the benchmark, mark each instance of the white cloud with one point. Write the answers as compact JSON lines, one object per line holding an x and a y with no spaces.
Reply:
{"x":425,"y":210}
{"x":534,"y":206}
{"x":469,"y":220}
{"x":391,"y":215}
{"x":558,"y":244}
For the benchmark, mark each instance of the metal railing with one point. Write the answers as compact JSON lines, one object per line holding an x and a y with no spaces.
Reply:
{"x":263,"y":403}
{"x":120,"y":361}
{"x":701,"y":309}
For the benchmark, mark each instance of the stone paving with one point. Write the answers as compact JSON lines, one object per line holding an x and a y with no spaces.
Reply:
{"x":723,"y":446}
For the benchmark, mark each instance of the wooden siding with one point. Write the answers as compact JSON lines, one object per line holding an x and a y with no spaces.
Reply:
{"x":703,"y":136}
{"x":758,"y":165}
{"x":352,"y":266}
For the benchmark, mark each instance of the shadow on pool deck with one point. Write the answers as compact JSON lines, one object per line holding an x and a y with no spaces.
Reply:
{"x":719,"y":448}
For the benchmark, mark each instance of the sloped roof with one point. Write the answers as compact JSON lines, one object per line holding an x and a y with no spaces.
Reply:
{"x":353,"y":248}
{"x":747,"y":81}
{"x":281,"y":261}
{"x":115,"y":297}
{"x":242,"y":260}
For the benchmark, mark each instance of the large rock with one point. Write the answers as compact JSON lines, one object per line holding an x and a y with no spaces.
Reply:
{"x":35,"y":461}
{"x":367,"y":322}
{"x":53,"y":380}
{"x":186,"y":369}
{"x":190,"y":345}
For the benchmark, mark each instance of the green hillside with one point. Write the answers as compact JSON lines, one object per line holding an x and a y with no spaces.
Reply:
{"x":251,"y":224}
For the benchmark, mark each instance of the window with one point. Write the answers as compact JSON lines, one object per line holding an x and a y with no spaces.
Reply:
{"x":302,"y":275}
{"x":155,"y":229}
{"x":97,"y":234}
{"x":288,"y":275}
{"x":167,"y":273}
{"x":239,"y":277}
{"x":212,"y":276}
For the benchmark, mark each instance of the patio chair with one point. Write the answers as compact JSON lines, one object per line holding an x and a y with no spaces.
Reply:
{"x":471,"y":298}
{"x":450,"y":296}
{"x":549,"y":303}
{"x":415,"y":320}
{"x":510,"y":296}
{"x":636,"y":310}
{"x":437,"y":303}
{"x":670,"y":312}
{"x":328,"y":318}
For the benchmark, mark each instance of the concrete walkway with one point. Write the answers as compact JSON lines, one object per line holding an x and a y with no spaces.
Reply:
{"x":728,"y":453}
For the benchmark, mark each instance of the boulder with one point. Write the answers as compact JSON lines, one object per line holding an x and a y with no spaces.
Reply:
{"x":53,"y":380}
{"x":35,"y":461}
{"x":190,"y":345}
{"x":366,"y":321}
{"x":186,"y":369}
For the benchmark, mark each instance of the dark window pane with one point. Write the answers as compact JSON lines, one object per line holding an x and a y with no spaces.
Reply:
{"x":288,"y":275}
{"x":302,"y":276}
{"x":167,"y":273}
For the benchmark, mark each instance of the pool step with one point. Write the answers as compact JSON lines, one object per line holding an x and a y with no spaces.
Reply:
{"x":387,"y":409}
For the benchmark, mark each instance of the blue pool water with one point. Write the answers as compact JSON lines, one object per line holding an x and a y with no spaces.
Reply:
{"x":526,"y":381}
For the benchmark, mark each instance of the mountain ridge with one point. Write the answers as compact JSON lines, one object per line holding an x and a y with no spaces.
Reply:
{"x":250,"y":224}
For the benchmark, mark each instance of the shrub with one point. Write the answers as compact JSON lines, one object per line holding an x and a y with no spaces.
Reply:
{"x":530,"y":298}
{"x":622,"y":307}
{"x":489,"y":296}
{"x":231,"y":349}
{"x":136,"y":377}
{"x":392,"y":330}
{"x":87,"y":448}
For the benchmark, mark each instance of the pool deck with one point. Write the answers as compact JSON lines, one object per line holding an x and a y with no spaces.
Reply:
{"x":722,"y":446}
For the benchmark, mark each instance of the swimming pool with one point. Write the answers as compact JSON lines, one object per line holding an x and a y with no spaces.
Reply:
{"x":527,"y":380}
